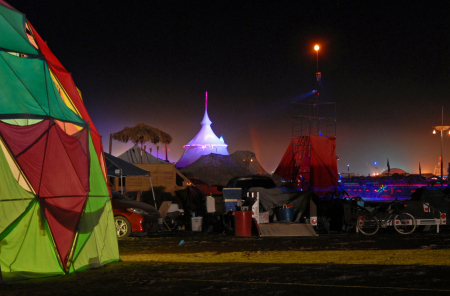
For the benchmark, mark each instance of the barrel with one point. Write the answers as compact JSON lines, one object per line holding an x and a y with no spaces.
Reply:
{"x":243,"y":223}
{"x":286,"y":213}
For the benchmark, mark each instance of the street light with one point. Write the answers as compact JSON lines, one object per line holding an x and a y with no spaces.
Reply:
{"x":316,"y":48}
{"x":442,"y":128}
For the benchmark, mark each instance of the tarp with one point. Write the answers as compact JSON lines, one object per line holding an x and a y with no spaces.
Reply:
{"x":274,"y":198}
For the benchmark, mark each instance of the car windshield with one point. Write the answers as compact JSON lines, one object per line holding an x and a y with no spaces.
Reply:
{"x":119,"y":196}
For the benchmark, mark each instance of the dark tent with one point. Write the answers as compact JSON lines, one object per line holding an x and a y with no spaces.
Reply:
{"x":248,"y":161}
{"x":214,"y":169}
{"x":117,"y":167}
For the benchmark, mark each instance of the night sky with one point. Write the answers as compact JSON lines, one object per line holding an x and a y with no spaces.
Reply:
{"x":385,"y":64}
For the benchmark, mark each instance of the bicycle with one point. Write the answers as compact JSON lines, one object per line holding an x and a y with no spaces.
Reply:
{"x":370,"y":222}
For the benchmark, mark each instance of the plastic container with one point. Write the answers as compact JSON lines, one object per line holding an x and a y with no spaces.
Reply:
{"x":210,"y":204}
{"x":286,"y":213}
{"x":243,"y":223}
{"x":197,"y":223}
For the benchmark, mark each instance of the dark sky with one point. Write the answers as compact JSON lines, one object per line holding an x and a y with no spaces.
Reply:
{"x":385,"y":64}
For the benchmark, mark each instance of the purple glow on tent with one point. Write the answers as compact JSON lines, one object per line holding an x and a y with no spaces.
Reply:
{"x":204,"y":143}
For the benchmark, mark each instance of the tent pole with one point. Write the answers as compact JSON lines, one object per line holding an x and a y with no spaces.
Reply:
{"x":121,"y":182}
{"x":151,"y":184}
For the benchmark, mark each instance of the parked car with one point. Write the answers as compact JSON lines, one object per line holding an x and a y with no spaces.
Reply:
{"x":132,"y":216}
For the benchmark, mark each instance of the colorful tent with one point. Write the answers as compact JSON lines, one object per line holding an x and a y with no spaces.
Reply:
{"x":55,"y":210}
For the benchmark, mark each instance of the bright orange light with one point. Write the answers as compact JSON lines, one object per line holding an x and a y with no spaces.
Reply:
{"x":316,"y":47}
{"x":434,"y":132}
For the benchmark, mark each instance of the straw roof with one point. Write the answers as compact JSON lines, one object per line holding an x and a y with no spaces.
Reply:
{"x":142,"y":133}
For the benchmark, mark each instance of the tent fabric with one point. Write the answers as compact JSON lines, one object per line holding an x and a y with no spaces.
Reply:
{"x":27,"y":251}
{"x":44,"y":151}
{"x":214,"y":169}
{"x":296,"y":162}
{"x":248,"y":160}
{"x":15,"y":169}
{"x":14,"y":38}
{"x":126,"y":169}
{"x":133,"y":155}
{"x":273,"y":198}
{"x":310,"y":163}
{"x":55,"y":209}
{"x":28,"y":81}
{"x":323,"y":164}
{"x":204,"y":143}
{"x":14,"y":199}
{"x":97,"y":242}
{"x":72,"y":92}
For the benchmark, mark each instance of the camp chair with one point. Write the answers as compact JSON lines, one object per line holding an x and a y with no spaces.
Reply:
{"x":163,"y":210}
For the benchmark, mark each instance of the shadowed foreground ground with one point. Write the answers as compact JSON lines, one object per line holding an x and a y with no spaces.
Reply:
{"x":336,"y":264}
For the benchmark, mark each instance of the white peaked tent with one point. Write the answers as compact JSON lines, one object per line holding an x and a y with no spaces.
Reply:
{"x":204,"y":143}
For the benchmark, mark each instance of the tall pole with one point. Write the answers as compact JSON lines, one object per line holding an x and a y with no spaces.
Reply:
{"x":442,"y":148}
{"x":442,"y":128}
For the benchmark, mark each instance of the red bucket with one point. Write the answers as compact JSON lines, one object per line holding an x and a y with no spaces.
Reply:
{"x":243,"y":223}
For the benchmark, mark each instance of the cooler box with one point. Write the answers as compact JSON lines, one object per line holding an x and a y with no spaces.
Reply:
{"x":231,"y":197}
{"x":197,"y":223}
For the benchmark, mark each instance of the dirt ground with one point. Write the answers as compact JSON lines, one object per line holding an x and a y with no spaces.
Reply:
{"x":217,"y":264}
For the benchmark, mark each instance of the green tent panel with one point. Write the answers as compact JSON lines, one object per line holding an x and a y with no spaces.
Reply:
{"x":27,"y":91}
{"x":97,"y":241}
{"x":14,"y":200}
{"x":27,"y":251}
{"x":101,"y":246}
{"x":14,"y":38}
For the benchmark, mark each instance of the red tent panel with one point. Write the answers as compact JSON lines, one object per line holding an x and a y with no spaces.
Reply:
{"x":323,"y":164}
{"x":57,"y":166}
{"x":65,"y":78}
{"x":63,"y":215}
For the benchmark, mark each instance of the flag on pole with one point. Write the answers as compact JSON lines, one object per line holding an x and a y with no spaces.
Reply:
{"x":389,"y":168}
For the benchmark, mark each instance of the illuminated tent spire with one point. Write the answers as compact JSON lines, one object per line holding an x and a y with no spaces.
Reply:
{"x":204,"y":143}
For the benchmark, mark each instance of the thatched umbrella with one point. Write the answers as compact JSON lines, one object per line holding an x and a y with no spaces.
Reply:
{"x":142,"y":133}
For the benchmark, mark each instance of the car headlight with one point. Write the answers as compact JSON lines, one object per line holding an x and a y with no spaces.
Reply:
{"x":137,"y":211}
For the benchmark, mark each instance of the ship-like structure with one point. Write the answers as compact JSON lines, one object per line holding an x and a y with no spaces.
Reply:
{"x":309,"y":162}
